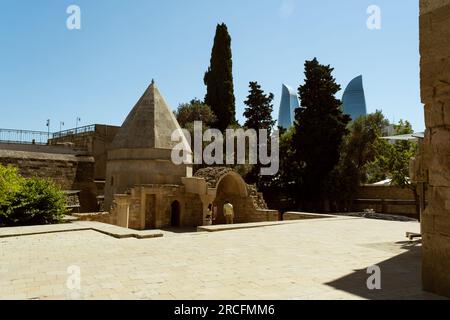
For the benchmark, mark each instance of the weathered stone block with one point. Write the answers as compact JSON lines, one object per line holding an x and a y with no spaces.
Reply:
{"x":427,"y":222}
{"x":430,"y":5}
{"x":435,"y":79}
{"x":434,"y":114}
{"x":442,"y":224}
{"x":436,"y":156}
{"x":436,"y":264}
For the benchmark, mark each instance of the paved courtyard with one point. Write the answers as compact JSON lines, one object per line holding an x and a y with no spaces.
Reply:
{"x":310,"y":259}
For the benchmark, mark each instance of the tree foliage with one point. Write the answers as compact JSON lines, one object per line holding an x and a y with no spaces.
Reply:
{"x":358,"y":152}
{"x":219,"y":80}
{"x":29,"y":201}
{"x":10,"y":184}
{"x":320,"y":127}
{"x":195,"y":110}
{"x":393,"y":159}
{"x":258,"y":112}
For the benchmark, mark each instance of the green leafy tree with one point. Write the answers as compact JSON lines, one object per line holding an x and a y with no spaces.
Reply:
{"x":258,"y":115}
{"x":219,"y":80}
{"x":358,"y":151}
{"x":320,"y":127}
{"x":29,"y":201}
{"x":278,"y":190}
{"x":393,"y":160}
{"x":188,"y":113}
{"x":195,"y":110}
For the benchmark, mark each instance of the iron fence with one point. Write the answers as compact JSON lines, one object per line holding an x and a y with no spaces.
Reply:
{"x":24,"y":136}
{"x":74,"y":131}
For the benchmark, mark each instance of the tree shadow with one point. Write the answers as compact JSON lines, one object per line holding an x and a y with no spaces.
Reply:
{"x":400,"y":277}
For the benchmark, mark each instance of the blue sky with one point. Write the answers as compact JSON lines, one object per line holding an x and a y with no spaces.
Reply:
{"x":99,"y":72}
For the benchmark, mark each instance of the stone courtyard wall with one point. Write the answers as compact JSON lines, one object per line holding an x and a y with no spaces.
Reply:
{"x":68,"y":171}
{"x":385,"y":199}
{"x":435,"y":93}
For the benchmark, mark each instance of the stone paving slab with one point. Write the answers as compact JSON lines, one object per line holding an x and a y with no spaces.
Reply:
{"x":311,"y":259}
{"x":111,"y":230}
{"x":236,"y":226}
{"x":32,"y":230}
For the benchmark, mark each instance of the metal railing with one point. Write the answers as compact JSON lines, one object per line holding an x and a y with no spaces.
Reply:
{"x":74,"y":131}
{"x":24,"y":136}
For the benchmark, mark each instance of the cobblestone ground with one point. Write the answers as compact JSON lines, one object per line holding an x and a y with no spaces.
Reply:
{"x":311,"y":259}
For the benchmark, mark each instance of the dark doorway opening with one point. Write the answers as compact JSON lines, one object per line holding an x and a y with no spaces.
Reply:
{"x":175,"y":214}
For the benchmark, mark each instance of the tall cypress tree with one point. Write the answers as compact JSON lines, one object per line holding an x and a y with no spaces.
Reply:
{"x":219,"y":80}
{"x":320,"y":127}
{"x":259,"y":109}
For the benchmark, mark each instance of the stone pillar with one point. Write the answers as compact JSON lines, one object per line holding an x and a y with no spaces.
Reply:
{"x":206,"y":199}
{"x":122,"y":210}
{"x":435,"y":92}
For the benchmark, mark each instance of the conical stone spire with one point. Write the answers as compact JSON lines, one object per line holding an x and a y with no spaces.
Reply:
{"x":149,"y":124}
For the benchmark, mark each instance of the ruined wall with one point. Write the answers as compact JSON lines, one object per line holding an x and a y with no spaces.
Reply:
{"x":70,"y":172}
{"x":435,"y":92}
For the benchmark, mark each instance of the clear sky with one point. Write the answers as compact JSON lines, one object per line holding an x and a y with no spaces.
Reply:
{"x":99,"y":72}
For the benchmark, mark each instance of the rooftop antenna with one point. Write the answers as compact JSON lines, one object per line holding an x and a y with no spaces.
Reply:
{"x":76,"y":124}
{"x":48,"y":128}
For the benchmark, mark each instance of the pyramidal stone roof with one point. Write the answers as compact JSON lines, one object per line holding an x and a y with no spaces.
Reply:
{"x":149,"y":124}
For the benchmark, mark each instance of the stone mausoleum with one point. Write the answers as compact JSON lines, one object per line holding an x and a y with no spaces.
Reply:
{"x":145,"y":189}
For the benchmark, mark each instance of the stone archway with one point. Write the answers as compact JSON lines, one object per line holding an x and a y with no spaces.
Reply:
{"x":231,"y":187}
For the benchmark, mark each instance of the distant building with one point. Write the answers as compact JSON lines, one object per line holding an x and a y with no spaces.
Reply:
{"x":353,"y":99}
{"x":289,"y":102}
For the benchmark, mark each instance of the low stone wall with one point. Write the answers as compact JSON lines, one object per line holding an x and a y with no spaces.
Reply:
{"x":291,"y":215}
{"x":262,"y":215}
{"x":385,"y":199}
{"x":104,"y":217}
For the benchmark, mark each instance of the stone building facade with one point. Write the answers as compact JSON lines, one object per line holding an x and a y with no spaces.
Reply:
{"x":146,"y":190}
{"x":435,"y":93}
{"x":95,"y":140}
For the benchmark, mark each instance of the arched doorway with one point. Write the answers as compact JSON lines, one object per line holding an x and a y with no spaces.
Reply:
{"x":175,"y":214}
{"x":231,"y":187}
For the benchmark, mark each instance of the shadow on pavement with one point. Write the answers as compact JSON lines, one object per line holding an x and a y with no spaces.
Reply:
{"x":400,"y":277}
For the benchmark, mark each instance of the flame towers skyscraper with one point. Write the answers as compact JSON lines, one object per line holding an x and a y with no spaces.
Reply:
{"x":289,"y":102}
{"x":354,"y":100}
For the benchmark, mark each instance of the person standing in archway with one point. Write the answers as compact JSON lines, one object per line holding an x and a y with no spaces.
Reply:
{"x":228,"y":212}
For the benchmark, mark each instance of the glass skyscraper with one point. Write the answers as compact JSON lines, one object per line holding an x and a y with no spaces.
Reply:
{"x":353,"y":99}
{"x":289,"y":102}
